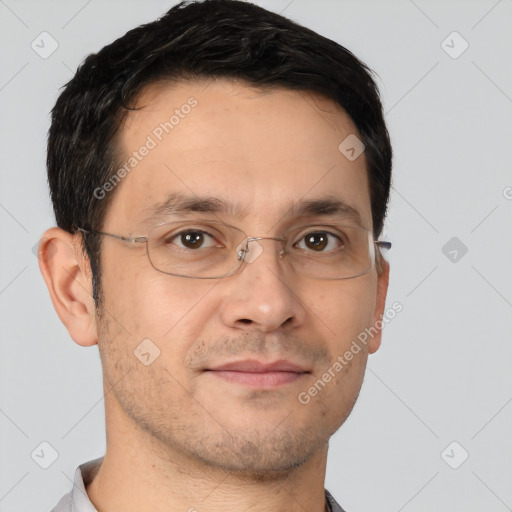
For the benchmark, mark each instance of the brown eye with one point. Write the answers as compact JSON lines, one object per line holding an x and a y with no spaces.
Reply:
{"x":191,"y":239}
{"x":316,"y":241}
{"x":319,"y":241}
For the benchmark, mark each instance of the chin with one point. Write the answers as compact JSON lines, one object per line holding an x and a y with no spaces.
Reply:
{"x":257,"y":455}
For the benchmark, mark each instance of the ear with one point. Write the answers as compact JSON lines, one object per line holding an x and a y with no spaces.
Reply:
{"x":382,"y":290}
{"x":67,"y":274}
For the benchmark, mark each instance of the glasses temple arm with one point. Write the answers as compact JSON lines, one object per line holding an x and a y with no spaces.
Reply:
{"x":136,"y":239}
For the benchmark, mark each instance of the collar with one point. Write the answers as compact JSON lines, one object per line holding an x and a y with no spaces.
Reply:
{"x":78,"y":501}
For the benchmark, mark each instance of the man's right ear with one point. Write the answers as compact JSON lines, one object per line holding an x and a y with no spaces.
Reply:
{"x":67,"y":274}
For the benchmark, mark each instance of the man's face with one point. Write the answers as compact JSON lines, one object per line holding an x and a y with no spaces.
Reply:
{"x":263,"y":152}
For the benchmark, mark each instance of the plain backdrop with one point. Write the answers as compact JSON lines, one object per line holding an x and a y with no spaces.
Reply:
{"x":431,"y":429}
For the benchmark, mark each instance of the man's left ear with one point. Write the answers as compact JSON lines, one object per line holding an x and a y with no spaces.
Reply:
{"x":382,"y":290}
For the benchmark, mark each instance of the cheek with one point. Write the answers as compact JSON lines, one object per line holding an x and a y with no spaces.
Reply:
{"x":347,"y":312}
{"x":145,"y":299}
{"x":348,"y":309}
{"x":146,"y":304}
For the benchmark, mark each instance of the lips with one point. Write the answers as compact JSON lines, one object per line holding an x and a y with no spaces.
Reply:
{"x":253,"y":366}
{"x":256,"y":374}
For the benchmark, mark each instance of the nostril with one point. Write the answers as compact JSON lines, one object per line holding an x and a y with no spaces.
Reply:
{"x":245,"y":320}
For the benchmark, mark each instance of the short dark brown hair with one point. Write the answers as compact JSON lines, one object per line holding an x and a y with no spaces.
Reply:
{"x":230,"y":39}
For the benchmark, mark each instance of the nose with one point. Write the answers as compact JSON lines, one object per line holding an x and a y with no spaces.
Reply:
{"x":263,"y":295}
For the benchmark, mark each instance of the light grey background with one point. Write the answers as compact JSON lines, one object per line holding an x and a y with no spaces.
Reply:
{"x":443,"y":373}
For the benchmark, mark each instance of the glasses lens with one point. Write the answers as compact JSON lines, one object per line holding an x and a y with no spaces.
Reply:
{"x":211,"y":249}
{"x":332,"y":252}
{"x":201,"y":249}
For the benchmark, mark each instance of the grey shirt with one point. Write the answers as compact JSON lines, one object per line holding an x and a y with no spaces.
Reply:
{"x":77,"y":500}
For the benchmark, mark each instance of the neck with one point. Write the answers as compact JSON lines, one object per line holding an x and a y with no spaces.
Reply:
{"x":139,"y":472}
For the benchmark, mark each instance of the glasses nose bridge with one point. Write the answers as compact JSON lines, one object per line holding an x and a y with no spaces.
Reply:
{"x":251,"y":238}
{"x":245,"y":254}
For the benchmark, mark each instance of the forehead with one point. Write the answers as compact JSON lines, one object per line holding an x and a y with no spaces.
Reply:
{"x":262,"y":151}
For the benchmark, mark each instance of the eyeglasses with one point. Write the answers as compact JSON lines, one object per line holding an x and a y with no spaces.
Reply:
{"x":210,"y":249}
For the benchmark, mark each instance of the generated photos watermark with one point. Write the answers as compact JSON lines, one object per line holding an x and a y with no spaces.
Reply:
{"x":343,"y":360}
{"x":156,"y":136}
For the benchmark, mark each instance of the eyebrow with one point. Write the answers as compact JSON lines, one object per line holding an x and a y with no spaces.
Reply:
{"x":181,"y":204}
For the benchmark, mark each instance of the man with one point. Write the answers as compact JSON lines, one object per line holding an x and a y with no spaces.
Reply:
{"x":220,"y":179}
